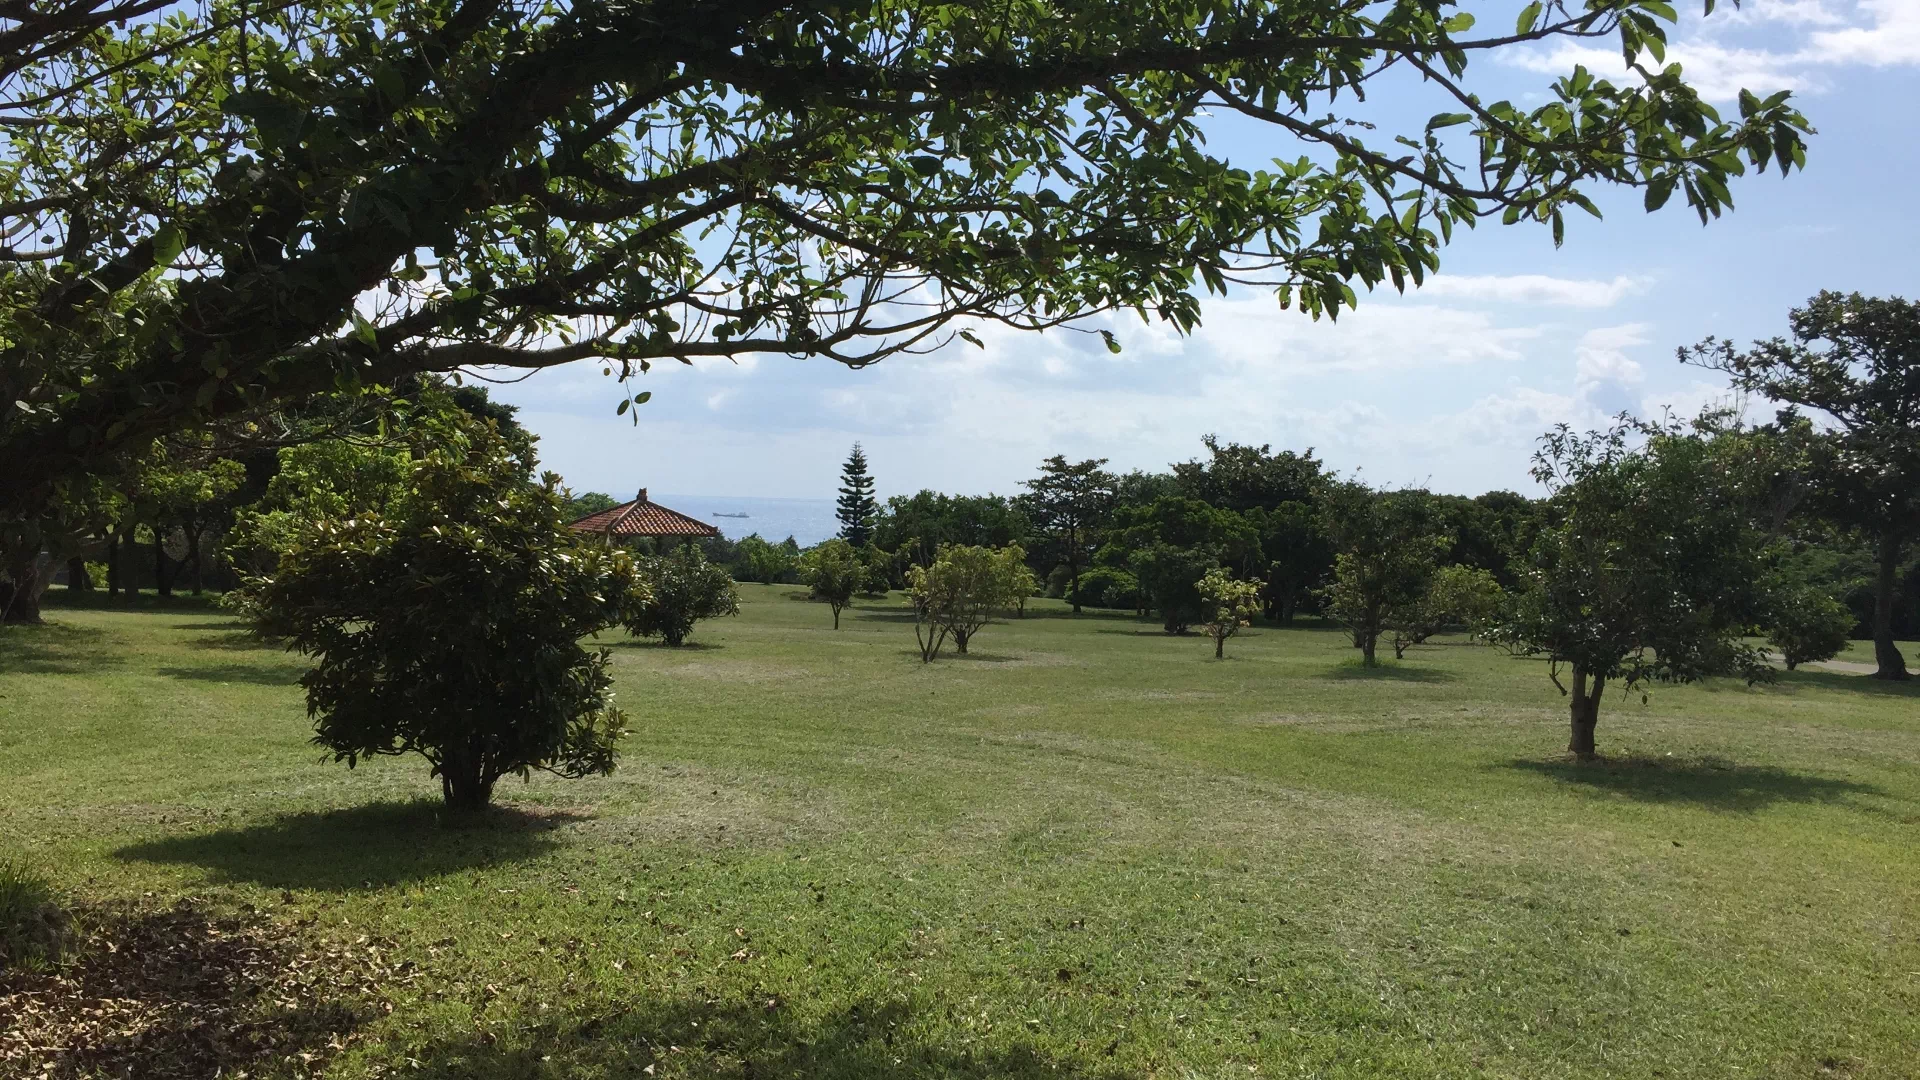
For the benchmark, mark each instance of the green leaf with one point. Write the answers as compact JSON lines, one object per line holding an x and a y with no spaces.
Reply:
{"x":1113,"y":343}
{"x":1528,"y":15}
{"x":622,"y":409}
{"x":1658,"y":193}
{"x":168,"y":242}
{"x":1459,"y":24}
{"x":643,"y":397}
{"x":1447,"y":119}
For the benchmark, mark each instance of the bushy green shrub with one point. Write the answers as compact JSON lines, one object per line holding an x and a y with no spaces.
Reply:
{"x":1110,"y":587}
{"x":1170,"y":579}
{"x":682,"y":588}
{"x":1806,"y":624}
{"x":964,"y":588}
{"x":833,"y":572}
{"x":448,"y":623}
{"x":31,"y":924}
{"x":1227,"y":605}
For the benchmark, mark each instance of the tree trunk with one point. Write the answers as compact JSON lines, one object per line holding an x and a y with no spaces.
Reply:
{"x":464,"y":780}
{"x":1073,"y":568}
{"x":193,"y":555}
{"x":836,"y":616}
{"x":20,"y":593}
{"x":1585,"y":707}
{"x":1219,"y":646}
{"x":162,"y":581}
{"x":1368,"y":642}
{"x":113,"y":563}
{"x":960,"y":640}
{"x":1891,"y":664}
{"x":77,"y":579}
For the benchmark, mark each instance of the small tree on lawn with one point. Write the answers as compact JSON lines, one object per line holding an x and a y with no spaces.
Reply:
{"x":1021,"y":581}
{"x":878,"y":566}
{"x":448,"y":624}
{"x":1229,"y":605}
{"x":1169,"y":577}
{"x":1456,"y":596}
{"x":682,"y":588}
{"x":1388,"y":549}
{"x":1068,"y":502}
{"x":1855,"y":359}
{"x":1806,"y":624}
{"x":1646,"y":567}
{"x":833,"y":572}
{"x":959,"y":593}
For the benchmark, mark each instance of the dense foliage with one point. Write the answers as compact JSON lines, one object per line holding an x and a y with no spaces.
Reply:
{"x":1389,"y":548}
{"x":1649,"y":565}
{"x":833,"y":572}
{"x":219,"y":208}
{"x":1806,"y":624}
{"x":1856,"y":361}
{"x":961,"y":591}
{"x":855,"y":506}
{"x":1065,"y":503}
{"x":681,"y":588}
{"x":447,"y":623}
{"x":1228,"y":605}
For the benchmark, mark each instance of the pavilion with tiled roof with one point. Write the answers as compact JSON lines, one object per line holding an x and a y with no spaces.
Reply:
{"x":643,"y":517}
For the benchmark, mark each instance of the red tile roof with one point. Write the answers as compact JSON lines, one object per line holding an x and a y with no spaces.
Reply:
{"x":642,"y":518}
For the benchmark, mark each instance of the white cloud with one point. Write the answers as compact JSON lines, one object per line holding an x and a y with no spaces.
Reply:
{"x":1892,"y":38}
{"x":1875,"y":33}
{"x":1604,"y":375}
{"x":1535,"y":289}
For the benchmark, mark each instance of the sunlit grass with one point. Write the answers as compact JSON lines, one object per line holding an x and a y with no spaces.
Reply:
{"x":1085,"y":849}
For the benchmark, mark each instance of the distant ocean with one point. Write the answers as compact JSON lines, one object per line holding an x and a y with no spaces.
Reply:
{"x":808,"y":521}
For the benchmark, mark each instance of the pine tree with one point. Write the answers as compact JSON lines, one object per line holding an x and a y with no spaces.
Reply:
{"x":855,"y":506}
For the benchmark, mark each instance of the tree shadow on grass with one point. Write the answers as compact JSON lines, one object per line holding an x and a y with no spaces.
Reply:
{"x":1387,"y":671}
{"x":179,"y":993}
{"x":1086,"y":615}
{"x":234,"y":640}
{"x":870,"y":615}
{"x":378,"y":844}
{"x":253,"y":674}
{"x":56,"y":649}
{"x":762,"y":1037}
{"x":1841,"y":680}
{"x":1703,"y":781}
{"x":652,"y":645}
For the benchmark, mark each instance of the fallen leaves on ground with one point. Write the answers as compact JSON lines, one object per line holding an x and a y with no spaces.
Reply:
{"x":183,"y":992}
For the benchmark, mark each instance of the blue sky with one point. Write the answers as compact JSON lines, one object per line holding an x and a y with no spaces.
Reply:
{"x":1447,"y":387}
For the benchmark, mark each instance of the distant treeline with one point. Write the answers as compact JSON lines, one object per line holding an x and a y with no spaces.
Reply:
{"x":1261,"y":513}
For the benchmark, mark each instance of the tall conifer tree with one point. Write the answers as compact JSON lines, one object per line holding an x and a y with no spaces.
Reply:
{"x":856,"y":505}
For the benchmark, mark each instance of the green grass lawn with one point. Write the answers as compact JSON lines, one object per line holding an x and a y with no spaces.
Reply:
{"x":1087,"y":850}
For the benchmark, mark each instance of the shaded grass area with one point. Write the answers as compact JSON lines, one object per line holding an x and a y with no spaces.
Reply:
{"x":1086,"y":850}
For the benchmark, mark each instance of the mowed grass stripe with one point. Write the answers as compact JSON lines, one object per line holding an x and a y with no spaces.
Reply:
{"x":1088,"y":849}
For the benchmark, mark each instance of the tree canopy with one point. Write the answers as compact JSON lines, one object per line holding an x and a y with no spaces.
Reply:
{"x":1650,"y":563}
{"x":1855,"y":360}
{"x":206,"y":209}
